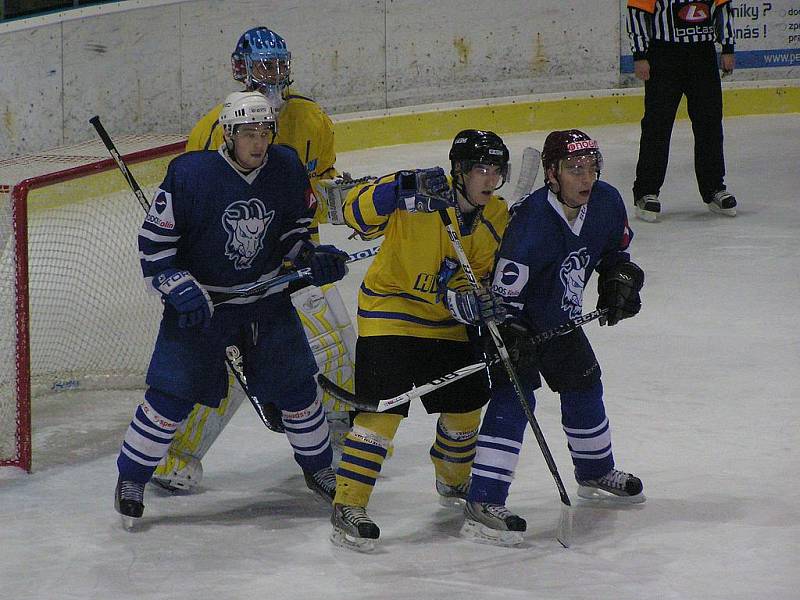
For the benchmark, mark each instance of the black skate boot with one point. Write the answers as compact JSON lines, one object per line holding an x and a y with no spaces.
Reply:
{"x":322,"y":483}
{"x":614,"y":485}
{"x":648,"y":208}
{"x":494,"y":524}
{"x":129,"y":502}
{"x":722,"y":203}
{"x":353,"y":529}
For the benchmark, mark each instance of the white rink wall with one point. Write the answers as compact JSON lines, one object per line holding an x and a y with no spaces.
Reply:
{"x":158,"y":65}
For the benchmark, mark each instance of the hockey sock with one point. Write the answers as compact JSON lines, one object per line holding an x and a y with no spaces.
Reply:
{"x":583,"y":417}
{"x":149,"y":435}
{"x":499,"y":442}
{"x":364,"y":452}
{"x":307,"y":432}
{"x":454,"y":448}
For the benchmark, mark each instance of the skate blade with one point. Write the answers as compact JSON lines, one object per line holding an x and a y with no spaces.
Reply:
{"x":452,"y":502}
{"x":600,"y":496}
{"x":129,"y":523}
{"x":479,"y":533}
{"x":648,"y":216}
{"x":341,"y":539}
{"x":727,"y":212}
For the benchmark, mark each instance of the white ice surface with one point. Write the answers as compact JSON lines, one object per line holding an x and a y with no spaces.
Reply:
{"x":701,"y":388}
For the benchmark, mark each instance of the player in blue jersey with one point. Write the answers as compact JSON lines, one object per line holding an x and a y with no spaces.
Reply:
{"x":222,"y":220}
{"x":556,"y":238}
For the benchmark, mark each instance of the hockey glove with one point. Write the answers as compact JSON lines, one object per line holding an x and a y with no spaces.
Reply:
{"x":475,"y":307}
{"x":618,"y":291}
{"x":182,"y":292}
{"x":423,"y":190}
{"x":327,"y":263}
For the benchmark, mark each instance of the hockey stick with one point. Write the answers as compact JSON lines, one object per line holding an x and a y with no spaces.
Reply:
{"x":366,"y":405}
{"x":564,"y":532}
{"x":361,"y":404}
{"x":263,"y":286}
{"x":235,"y":366}
{"x":529,"y":170}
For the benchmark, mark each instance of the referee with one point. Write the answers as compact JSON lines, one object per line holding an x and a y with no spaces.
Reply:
{"x":674,"y":54}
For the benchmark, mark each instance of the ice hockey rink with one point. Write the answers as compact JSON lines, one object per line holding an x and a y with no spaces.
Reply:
{"x":702,"y":391}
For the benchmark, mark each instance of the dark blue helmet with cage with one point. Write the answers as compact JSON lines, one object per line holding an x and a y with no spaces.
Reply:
{"x":262,"y":62}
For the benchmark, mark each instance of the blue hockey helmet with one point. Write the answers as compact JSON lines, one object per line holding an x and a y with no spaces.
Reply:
{"x":262,"y":62}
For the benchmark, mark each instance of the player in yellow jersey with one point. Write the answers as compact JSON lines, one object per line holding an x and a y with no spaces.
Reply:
{"x":412,"y":309}
{"x":262,"y":62}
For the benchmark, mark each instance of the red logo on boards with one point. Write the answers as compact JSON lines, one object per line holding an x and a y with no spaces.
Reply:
{"x":694,"y":13}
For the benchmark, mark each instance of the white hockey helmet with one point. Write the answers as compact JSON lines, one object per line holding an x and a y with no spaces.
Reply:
{"x":241,"y":108}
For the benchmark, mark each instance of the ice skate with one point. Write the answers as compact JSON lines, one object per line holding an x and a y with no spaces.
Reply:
{"x":129,"y":502}
{"x":615,"y":486}
{"x":722,"y":203}
{"x":322,"y":483}
{"x":452,"y":496}
{"x":648,"y":208}
{"x":353,"y":529}
{"x":492,"y":524}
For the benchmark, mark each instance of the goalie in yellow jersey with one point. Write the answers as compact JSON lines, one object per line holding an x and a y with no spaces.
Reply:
{"x":262,"y":62}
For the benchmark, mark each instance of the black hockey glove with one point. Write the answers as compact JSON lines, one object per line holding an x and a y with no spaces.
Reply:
{"x":423,"y":190}
{"x":618,"y":291}
{"x":327,"y":263}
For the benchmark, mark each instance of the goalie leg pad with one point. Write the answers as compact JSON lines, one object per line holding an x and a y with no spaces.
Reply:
{"x":365,"y":449}
{"x":181,"y":468}
{"x":330,"y":335}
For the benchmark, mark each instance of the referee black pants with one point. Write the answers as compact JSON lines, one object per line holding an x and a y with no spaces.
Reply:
{"x":675,"y":70}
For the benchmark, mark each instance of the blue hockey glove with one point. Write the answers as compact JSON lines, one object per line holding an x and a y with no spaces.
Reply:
{"x":475,"y":307}
{"x":327,"y":263}
{"x":423,"y":190}
{"x":182,"y":292}
{"x":618,"y":291}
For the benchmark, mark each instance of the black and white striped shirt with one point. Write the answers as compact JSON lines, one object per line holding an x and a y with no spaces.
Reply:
{"x":679,"y":21}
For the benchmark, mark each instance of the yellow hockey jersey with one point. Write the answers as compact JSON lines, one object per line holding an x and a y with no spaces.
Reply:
{"x":399,"y":293}
{"x":302,"y":125}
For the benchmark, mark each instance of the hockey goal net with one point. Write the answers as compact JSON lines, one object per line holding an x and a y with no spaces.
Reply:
{"x":74,"y":312}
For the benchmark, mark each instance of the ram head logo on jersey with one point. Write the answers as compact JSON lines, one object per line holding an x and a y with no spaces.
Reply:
{"x":246,"y":223}
{"x":573,"y":277}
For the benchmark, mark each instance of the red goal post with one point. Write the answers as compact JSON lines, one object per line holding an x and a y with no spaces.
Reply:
{"x":74,"y":311}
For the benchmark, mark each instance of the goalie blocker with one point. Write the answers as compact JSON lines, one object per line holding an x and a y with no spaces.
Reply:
{"x":330,"y":334}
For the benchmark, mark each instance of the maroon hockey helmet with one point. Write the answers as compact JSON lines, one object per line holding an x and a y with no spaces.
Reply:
{"x":568,"y":144}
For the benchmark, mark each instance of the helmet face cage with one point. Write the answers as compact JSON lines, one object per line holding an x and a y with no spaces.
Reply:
{"x":261,"y":61}
{"x":474,"y":147}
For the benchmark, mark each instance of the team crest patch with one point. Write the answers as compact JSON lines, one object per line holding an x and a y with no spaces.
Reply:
{"x":573,"y":278}
{"x":161,"y":213}
{"x":510,"y":278}
{"x":246,"y":222}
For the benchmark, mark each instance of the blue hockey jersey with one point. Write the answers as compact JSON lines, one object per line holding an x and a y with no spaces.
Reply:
{"x":227,"y":228}
{"x":544,"y":262}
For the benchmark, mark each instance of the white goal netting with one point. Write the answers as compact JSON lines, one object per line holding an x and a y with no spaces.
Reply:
{"x":77,"y":300}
